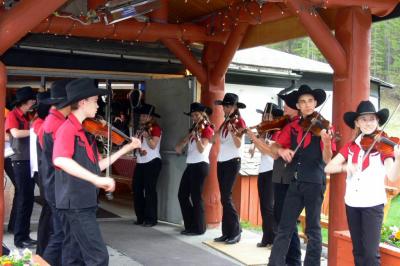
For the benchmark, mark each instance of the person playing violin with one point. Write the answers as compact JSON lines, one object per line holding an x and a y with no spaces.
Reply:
{"x":307,"y":186}
{"x":198,"y":141}
{"x":148,"y":167}
{"x":17,"y":126}
{"x":228,"y":165}
{"x":264,"y":181}
{"x":77,"y":177}
{"x":365,"y":182}
{"x":281,"y":178}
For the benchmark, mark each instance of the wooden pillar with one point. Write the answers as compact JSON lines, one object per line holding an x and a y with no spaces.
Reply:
{"x":209,"y":93}
{"x":3,"y":82}
{"x":353,"y":31}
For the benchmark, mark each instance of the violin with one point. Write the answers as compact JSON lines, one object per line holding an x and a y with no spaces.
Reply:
{"x":198,"y":127}
{"x":314,"y":123}
{"x":381,"y":142}
{"x":99,"y":128}
{"x":272,"y":125}
{"x":233,"y":120}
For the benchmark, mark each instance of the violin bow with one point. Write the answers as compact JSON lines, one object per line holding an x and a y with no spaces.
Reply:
{"x":311,"y":125}
{"x":109,"y":195}
{"x":378,"y":136}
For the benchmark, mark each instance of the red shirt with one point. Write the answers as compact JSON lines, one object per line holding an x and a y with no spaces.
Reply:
{"x":51,"y":124}
{"x":238,"y":124}
{"x":284,"y":137}
{"x":64,"y":142}
{"x":36,"y":125}
{"x":14,"y":118}
{"x":206,"y":133}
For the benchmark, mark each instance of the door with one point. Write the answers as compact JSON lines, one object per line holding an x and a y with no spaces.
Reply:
{"x":171,"y":98}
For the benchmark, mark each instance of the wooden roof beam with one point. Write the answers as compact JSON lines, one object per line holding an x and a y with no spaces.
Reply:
{"x":17,"y":22}
{"x":321,"y":35}
{"x":379,"y":8}
{"x":128,"y":30}
{"x":232,"y":45}
{"x":186,"y":57}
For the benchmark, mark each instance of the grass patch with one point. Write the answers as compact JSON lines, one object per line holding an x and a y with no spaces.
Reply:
{"x":248,"y":226}
{"x":393,"y":217}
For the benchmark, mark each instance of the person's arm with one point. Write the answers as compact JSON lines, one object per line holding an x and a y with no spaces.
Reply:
{"x":327,"y":145}
{"x":73,"y":168}
{"x":336,"y":165}
{"x":105,"y":162}
{"x":19,"y":133}
{"x":393,"y":167}
{"x":153,"y":137}
{"x":182,"y":143}
{"x":264,"y":148}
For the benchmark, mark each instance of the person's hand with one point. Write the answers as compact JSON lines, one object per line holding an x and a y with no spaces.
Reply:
{"x":134,"y":144}
{"x":178,"y":149}
{"x":286,"y":154}
{"x":145,"y":134}
{"x":326,"y":136}
{"x":106,"y":183}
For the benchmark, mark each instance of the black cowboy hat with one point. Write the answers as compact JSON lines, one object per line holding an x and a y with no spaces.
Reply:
{"x":365,"y":107}
{"x":147,"y":109}
{"x":41,"y":98}
{"x":230,"y":99}
{"x":80,"y":89}
{"x":58,"y":93}
{"x":271,"y":108}
{"x":24,"y":94}
{"x":199,"y":107}
{"x":319,"y":96}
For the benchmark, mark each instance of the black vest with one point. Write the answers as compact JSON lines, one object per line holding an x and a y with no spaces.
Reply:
{"x":307,"y":164}
{"x":282,"y":174}
{"x":47,"y":169}
{"x":20,"y":146}
{"x":72,"y":192}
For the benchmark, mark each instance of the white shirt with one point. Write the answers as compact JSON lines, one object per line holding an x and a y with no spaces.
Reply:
{"x":33,"y":151}
{"x":266,"y":164}
{"x":366,"y":187}
{"x":150,"y":153}
{"x":194,"y":156}
{"x":228,"y":149}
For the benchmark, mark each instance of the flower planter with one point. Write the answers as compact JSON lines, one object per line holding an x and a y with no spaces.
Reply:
{"x":390,"y":256}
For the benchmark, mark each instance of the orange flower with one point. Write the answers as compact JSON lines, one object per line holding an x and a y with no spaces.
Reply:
{"x":397,"y":235}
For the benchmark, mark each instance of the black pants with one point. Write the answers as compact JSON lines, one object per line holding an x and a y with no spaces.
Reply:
{"x":227,"y":172}
{"x":10,"y":173}
{"x":293,"y":257}
{"x":144,"y":187}
{"x":300,"y":195}
{"x":53,"y":253}
{"x":365,"y":229}
{"x":189,"y":195}
{"x":83,"y":243}
{"x":45,"y":226}
{"x":24,"y":202}
{"x":266,"y":195}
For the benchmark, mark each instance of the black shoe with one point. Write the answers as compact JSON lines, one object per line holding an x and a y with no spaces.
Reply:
{"x":32,"y":241}
{"x":137,"y":222}
{"x":191,"y":233}
{"x":146,"y":224}
{"x":233,"y":240}
{"x":221,"y":239}
{"x":263,"y":245}
{"x":184,"y":232}
{"x":25,"y":244}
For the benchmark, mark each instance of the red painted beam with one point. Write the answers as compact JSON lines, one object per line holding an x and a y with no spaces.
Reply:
{"x":187,"y":58}
{"x":128,"y":30}
{"x":232,"y":45}
{"x":17,"y":22}
{"x":321,"y":35}
{"x":3,"y":82}
{"x":378,"y":7}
